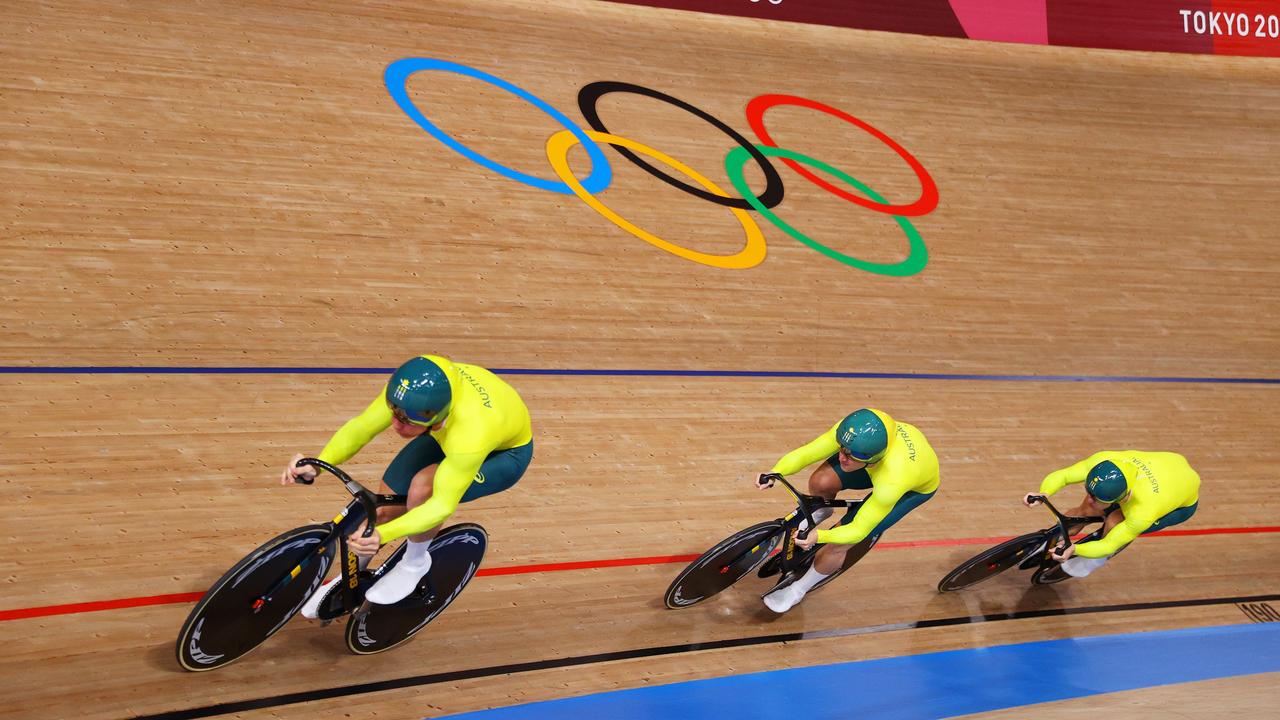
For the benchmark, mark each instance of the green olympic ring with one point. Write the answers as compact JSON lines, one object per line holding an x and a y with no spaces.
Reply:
{"x":917,"y":258}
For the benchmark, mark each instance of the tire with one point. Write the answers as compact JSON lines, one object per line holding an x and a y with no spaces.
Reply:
{"x":456,"y":554}
{"x":723,"y":565}
{"x":223,"y":626}
{"x":991,"y":562}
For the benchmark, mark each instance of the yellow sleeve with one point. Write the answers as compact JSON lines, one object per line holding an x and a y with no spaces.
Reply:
{"x":874,"y":509}
{"x":1058,"y":479}
{"x":357,"y":432}
{"x":1120,"y":535}
{"x":820,"y":448}
{"x":453,"y":477}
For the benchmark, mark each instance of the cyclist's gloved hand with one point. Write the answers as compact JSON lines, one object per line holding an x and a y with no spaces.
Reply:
{"x":364,"y":546}
{"x":1027,"y":499}
{"x":1062,"y":555}
{"x":292,"y":472}
{"x":766,"y":480}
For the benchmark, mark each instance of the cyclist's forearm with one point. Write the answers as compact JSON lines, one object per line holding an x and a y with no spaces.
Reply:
{"x":450,"y":484}
{"x":868,"y":517}
{"x":1070,"y":475}
{"x":804,"y":456}
{"x":1120,"y":535}
{"x":426,"y":516}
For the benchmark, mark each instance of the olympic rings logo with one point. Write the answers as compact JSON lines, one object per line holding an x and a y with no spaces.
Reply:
{"x":753,"y":252}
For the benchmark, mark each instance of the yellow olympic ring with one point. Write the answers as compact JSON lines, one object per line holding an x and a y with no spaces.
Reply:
{"x":558,"y":146}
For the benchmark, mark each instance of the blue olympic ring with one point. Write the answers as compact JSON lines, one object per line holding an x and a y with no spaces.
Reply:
{"x":396,"y":78}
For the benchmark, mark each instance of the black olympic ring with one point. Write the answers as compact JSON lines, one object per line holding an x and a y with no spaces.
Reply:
{"x":590,"y":95}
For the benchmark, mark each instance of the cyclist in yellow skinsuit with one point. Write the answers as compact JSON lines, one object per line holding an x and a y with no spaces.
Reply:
{"x":865,"y":450}
{"x":1139,"y":492}
{"x":470,"y":436}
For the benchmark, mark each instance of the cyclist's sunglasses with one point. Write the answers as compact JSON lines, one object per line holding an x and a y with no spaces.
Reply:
{"x":855,"y":456}
{"x":400,"y":415}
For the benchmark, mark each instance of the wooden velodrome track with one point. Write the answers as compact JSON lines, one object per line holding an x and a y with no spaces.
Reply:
{"x":227,"y":185}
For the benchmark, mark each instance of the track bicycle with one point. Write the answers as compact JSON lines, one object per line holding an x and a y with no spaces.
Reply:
{"x":1025,"y":551}
{"x":261,"y":592}
{"x":769,"y":546}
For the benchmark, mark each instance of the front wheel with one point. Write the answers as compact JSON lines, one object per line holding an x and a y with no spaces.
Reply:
{"x":229,"y":620}
{"x":724,"y":564}
{"x":456,"y":553}
{"x":993,"y":561}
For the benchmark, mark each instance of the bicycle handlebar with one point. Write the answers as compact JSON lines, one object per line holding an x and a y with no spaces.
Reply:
{"x":358,"y":491}
{"x":1063,"y":520}
{"x":802,"y":501}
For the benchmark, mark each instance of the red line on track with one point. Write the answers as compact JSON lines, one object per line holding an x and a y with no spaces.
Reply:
{"x":73,"y":608}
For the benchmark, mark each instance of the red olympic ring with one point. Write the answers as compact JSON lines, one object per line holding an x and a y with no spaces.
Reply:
{"x":923,"y":205}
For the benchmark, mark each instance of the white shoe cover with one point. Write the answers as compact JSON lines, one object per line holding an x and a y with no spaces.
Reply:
{"x":1081,"y":566}
{"x":311,"y":610}
{"x":398,"y":582}
{"x":783,"y":600}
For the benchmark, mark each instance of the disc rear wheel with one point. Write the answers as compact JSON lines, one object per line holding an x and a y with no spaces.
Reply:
{"x":456,"y":554}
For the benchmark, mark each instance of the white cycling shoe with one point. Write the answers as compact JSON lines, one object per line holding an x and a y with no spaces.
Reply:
{"x":311,"y":610}
{"x":784,"y":599}
{"x":399,"y":581}
{"x":1077,"y":566}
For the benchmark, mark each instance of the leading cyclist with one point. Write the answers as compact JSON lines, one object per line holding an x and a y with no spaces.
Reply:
{"x":469,"y":436}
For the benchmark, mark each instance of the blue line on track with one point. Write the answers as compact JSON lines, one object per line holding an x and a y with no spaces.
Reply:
{"x":195,"y":370}
{"x":938,"y":685}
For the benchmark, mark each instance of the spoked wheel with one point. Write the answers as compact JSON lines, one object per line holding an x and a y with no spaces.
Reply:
{"x":225,"y":624}
{"x":456,"y":554}
{"x":993,"y":561}
{"x":724,"y":564}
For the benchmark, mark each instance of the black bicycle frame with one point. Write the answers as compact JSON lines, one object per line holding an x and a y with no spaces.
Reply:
{"x":805,"y":505}
{"x":1064,"y":521}
{"x":340,"y":527}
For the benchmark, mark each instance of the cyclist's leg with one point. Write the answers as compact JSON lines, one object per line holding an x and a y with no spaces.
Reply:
{"x":1080,"y":567}
{"x":831,"y":558}
{"x":500,"y":471}
{"x":1175,"y":517}
{"x":830,"y":479}
{"x":398,"y":479}
{"x":825,"y":481}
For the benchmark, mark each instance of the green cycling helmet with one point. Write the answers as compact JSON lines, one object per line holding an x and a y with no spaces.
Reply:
{"x":1109,"y":481}
{"x":419,"y":393}
{"x":865,"y":434}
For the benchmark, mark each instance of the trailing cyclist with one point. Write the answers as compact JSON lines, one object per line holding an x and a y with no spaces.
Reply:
{"x":865,"y":450}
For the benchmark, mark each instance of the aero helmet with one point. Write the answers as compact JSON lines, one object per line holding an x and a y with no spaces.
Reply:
{"x":419,"y":393}
{"x":1109,"y":481}
{"x":865,"y":434}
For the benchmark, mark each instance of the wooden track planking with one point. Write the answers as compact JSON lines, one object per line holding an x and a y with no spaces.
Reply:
{"x":172,"y":166}
{"x":623,"y":467}
{"x":230,"y":185}
{"x":138,"y":507}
